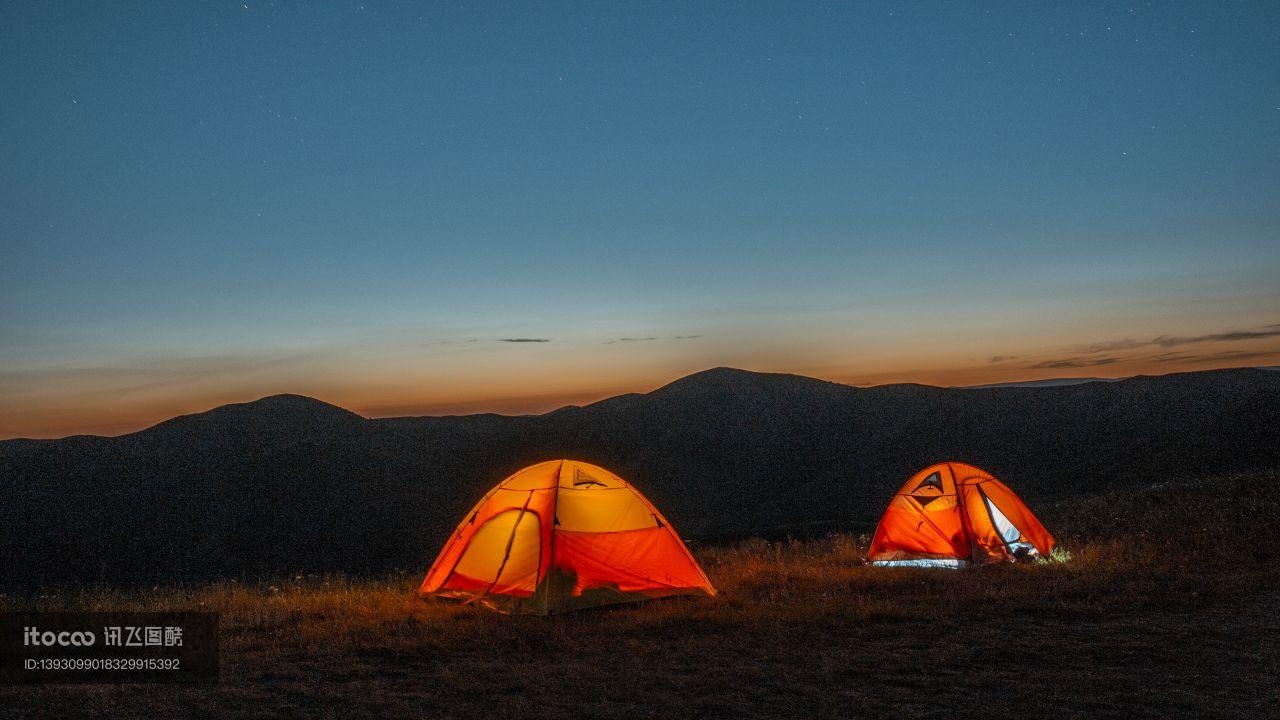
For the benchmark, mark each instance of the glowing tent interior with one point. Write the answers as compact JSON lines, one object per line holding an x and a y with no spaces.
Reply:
{"x":952,"y":514}
{"x":563,"y":535}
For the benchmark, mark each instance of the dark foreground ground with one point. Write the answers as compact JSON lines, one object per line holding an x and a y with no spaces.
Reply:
{"x":1168,"y":606}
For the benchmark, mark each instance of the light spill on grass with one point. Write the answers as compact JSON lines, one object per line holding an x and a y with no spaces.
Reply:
{"x":1105,"y":543}
{"x":1159,"y":586}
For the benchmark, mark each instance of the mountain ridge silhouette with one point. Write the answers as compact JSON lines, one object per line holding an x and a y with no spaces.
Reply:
{"x":288,"y":483}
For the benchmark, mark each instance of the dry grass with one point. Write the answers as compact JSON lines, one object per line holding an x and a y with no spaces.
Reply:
{"x":1166,"y":608}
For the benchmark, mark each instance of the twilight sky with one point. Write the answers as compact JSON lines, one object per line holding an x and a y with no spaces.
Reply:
{"x":430,"y":209}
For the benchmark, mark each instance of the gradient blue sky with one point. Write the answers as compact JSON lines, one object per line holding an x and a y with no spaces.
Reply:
{"x":362,"y":201}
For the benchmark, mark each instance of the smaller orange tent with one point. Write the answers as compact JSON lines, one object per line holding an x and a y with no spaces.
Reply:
{"x":951,"y":515}
{"x":562,"y":535}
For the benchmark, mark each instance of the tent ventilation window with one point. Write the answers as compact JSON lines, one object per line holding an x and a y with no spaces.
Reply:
{"x":581,"y":479}
{"x":934,"y":480}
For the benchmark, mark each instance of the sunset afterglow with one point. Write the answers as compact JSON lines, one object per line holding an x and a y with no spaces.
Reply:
{"x":442,"y":211}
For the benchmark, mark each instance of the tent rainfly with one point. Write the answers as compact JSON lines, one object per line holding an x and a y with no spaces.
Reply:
{"x":952,"y":515}
{"x":563,"y":535}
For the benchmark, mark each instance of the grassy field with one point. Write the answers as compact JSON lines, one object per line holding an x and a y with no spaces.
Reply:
{"x":1167,"y":606}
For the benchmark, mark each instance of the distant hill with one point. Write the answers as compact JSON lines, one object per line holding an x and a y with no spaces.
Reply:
{"x":289,"y":483}
{"x":1050,"y":382}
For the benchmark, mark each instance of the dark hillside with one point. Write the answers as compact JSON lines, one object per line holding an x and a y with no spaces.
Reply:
{"x":1165,"y":608}
{"x":289,"y":483}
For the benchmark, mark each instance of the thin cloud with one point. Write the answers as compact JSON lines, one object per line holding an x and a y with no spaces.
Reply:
{"x":1265,"y":331}
{"x":1167,"y":341}
{"x":652,"y":339}
{"x":1228,"y":355}
{"x":1074,"y":362}
{"x":132,"y":377}
{"x":1114,"y":345}
{"x":1002,"y":358}
{"x":631,"y":340}
{"x":525,"y":340}
{"x":1173,"y":357}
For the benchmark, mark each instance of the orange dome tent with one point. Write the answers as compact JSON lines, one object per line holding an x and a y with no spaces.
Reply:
{"x":952,"y":514}
{"x":563,"y":535}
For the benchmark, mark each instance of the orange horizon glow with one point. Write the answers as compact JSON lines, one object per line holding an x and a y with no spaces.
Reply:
{"x":537,"y":393}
